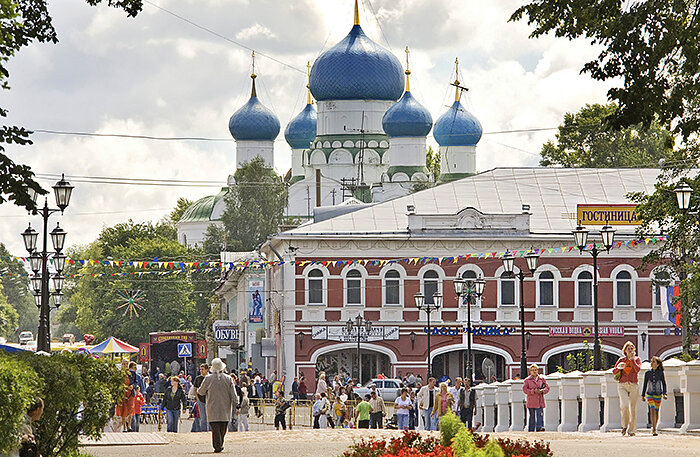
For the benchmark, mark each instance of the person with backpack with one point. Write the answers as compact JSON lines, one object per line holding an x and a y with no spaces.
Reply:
{"x":535,"y":388}
{"x":653,"y":390}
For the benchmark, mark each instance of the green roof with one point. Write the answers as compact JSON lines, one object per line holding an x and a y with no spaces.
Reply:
{"x":201,"y":210}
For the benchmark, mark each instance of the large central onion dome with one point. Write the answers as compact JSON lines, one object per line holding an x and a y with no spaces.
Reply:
{"x":253,"y":121}
{"x":357,"y":68}
{"x":302,"y":130}
{"x":457,"y":127}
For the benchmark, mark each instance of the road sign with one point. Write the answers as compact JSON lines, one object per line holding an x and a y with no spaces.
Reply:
{"x":184,"y":349}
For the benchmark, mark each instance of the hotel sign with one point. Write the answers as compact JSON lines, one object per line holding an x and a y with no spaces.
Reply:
{"x":586,"y":331}
{"x":611,"y":214}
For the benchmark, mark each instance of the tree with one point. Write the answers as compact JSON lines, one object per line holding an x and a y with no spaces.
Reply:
{"x":22,"y":23}
{"x":432,"y":163}
{"x":584,"y":141}
{"x":15,"y":283}
{"x":8,"y":317}
{"x":254,"y":207}
{"x":651,"y":51}
{"x":180,"y":208}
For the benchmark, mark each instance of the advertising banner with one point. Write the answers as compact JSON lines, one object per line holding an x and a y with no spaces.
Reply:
{"x":611,"y":214}
{"x":586,"y":331}
{"x":322,"y":332}
{"x":144,"y":352}
{"x":256,"y":292}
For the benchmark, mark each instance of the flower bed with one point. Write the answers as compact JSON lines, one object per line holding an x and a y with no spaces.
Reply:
{"x":455,"y":441}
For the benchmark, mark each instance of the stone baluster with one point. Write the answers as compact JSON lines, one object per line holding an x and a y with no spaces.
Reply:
{"x":489,"y":402}
{"x":516,"y":396}
{"x":551,"y":402}
{"x":642,"y":408}
{"x":589,"y":392}
{"x":611,"y":411}
{"x":479,"y":394}
{"x":672,"y":374}
{"x":502,"y":406}
{"x":690,"y":387}
{"x":568,"y":395}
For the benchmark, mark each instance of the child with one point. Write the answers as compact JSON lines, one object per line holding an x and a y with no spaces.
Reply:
{"x":653,"y":390}
{"x":139,"y":401}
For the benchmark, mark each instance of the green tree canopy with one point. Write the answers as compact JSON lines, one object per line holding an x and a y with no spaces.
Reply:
{"x":8,"y":317}
{"x":15,"y":284}
{"x":254,"y":208}
{"x":584,"y":141}
{"x":651,"y":52}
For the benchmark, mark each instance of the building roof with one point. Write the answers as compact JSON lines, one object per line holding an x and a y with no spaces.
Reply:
{"x":457,"y":127}
{"x":552,"y":193}
{"x":357,"y":68}
{"x":202,"y":209}
{"x":407,"y":118}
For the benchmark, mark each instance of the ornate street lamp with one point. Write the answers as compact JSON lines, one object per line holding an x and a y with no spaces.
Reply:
{"x":607,"y":234}
{"x":683,"y":193}
{"x":508,"y":265}
{"x":358,"y":323}
{"x":428,"y":308}
{"x":471,"y":290}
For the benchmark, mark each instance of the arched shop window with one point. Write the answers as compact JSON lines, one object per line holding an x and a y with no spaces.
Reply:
{"x":623,"y":288}
{"x":584,"y":284}
{"x":431,"y":281}
{"x":507,"y":289}
{"x":353,"y":287}
{"x":315,"y":286}
{"x":546,"y":285}
{"x":392,"y":288}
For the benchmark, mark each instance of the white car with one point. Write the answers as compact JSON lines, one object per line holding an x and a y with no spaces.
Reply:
{"x":387,"y":388}
{"x":25,"y":338}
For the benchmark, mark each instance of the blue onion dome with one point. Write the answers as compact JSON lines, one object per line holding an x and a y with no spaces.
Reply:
{"x":407,"y":118}
{"x":302,"y":130}
{"x":253,"y":121}
{"x":457,"y":127}
{"x":357,"y":68}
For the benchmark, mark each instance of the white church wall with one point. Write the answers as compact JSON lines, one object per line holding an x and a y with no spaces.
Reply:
{"x":407,"y":152}
{"x":338,"y":117}
{"x":457,"y":159}
{"x":248,"y":150}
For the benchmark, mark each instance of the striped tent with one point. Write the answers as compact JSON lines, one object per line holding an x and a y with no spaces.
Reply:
{"x":113,"y":345}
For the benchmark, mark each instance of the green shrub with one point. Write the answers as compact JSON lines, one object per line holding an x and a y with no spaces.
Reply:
{"x":492,"y":449}
{"x":463,"y":444}
{"x":450,"y":425}
{"x":19,"y":387}
{"x":78,"y":392}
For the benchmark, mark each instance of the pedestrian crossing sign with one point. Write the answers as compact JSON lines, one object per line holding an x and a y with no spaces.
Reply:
{"x":184,"y":349}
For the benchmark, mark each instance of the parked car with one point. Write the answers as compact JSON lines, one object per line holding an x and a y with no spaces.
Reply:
{"x":387,"y":388}
{"x":25,"y":337}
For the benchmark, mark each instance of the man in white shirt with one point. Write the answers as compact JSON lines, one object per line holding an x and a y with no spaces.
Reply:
{"x":454,"y":390}
{"x":426,"y":400}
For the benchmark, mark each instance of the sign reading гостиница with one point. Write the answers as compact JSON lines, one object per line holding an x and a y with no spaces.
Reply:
{"x":610,"y":214}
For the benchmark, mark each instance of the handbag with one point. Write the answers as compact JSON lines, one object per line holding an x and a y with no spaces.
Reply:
{"x":618,"y":376}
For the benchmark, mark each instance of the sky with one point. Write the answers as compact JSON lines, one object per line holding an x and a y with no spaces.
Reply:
{"x":162,"y":74}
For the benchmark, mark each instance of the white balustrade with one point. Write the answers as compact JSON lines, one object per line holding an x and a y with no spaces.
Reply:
{"x":690,"y":386}
{"x":516,"y":397}
{"x":479,"y":394}
{"x":611,"y":411}
{"x":502,"y":406}
{"x":589,"y":391}
{"x":489,"y":402}
{"x":672,"y":373}
{"x":568,"y":396}
{"x":551,"y":402}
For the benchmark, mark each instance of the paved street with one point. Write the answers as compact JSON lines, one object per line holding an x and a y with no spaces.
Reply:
{"x":327,"y":443}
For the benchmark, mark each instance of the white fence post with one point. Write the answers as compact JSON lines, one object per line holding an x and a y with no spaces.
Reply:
{"x":551,"y":402}
{"x":489,"y":405}
{"x":590,"y":401}
{"x":690,"y":387}
{"x":503,"y":407}
{"x":672,"y":373}
{"x":517,"y":405}
{"x":479,"y":394}
{"x":611,"y":411}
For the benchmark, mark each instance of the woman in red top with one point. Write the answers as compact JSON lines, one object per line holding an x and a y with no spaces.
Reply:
{"x":626,"y":369}
{"x":535,"y":387}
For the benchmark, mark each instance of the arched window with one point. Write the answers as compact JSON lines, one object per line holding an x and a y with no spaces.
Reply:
{"x":546,"y":285}
{"x":315,"y":287}
{"x":392,"y":288}
{"x":623,"y":288}
{"x":430,"y":285}
{"x":353,"y":287}
{"x":507,"y":289}
{"x":661,"y":279}
{"x":584,"y":283}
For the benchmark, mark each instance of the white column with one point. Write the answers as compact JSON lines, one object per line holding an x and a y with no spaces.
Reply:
{"x":479,"y":394}
{"x":517,"y":405}
{"x":690,"y":387}
{"x":611,"y":411}
{"x":672,"y":373}
{"x":489,"y":408}
{"x":551,"y":402}
{"x":590,"y":403}
{"x":568,"y":395}
{"x":502,"y":406}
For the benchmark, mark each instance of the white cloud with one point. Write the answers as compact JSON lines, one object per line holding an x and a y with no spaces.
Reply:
{"x":253,"y":31}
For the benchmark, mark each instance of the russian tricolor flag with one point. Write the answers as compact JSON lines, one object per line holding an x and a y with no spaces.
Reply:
{"x":671,"y":304}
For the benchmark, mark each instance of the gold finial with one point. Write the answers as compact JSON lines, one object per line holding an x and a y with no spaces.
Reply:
{"x":407,"y":72}
{"x":357,"y":14}
{"x":308,"y":82}
{"x":253,"y":93}
{"x":457,"y":93}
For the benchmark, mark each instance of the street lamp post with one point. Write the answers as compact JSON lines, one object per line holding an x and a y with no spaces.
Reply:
{"x":607,"y":234}
{"x":428,"y":308}
{"x":359,"y":322}
{"x":683,"y":194}
{"x":39,"y":261}
{"x":508,"y":265}
{"x":471,"y":290}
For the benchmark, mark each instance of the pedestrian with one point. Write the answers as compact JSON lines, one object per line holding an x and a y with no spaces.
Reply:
{"x":535,"y":388}
{"x":201,"y":421}
{"x":150,"y":390}
{"x":325,"y":410}
{"x":173,"y":401}
{"x":413,"y":412}
{"x":443,"y":402}
{"x":466,"y":403}
{"x":175,"y":368}
{"x":654,"y":390}
{"x":221,"y":402}
{"x":243,"y":411}
{"x":281,"y":406}
{"x":295,"y":388}
{"x":376,"y":417}
{"x":26,"y":444}
{"x":454,"y":390}
{"x":139,"y":401}
{"x":362,"y":412}
{"x":403,"y":406}
{"x":316,"y":410}
{"x":339,"y":411}
{"x":303,"y":392}
{"x":411,"y":379}
{"x":626,"y":373}
{"x":426,"y":401}
{"x":321,"y":386}
{"x":125,"y":406}
{"x":343,"y":395}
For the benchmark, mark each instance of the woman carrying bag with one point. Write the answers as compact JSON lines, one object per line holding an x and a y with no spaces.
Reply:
{"x":535,"y":387}
{"x":626,"y":370}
